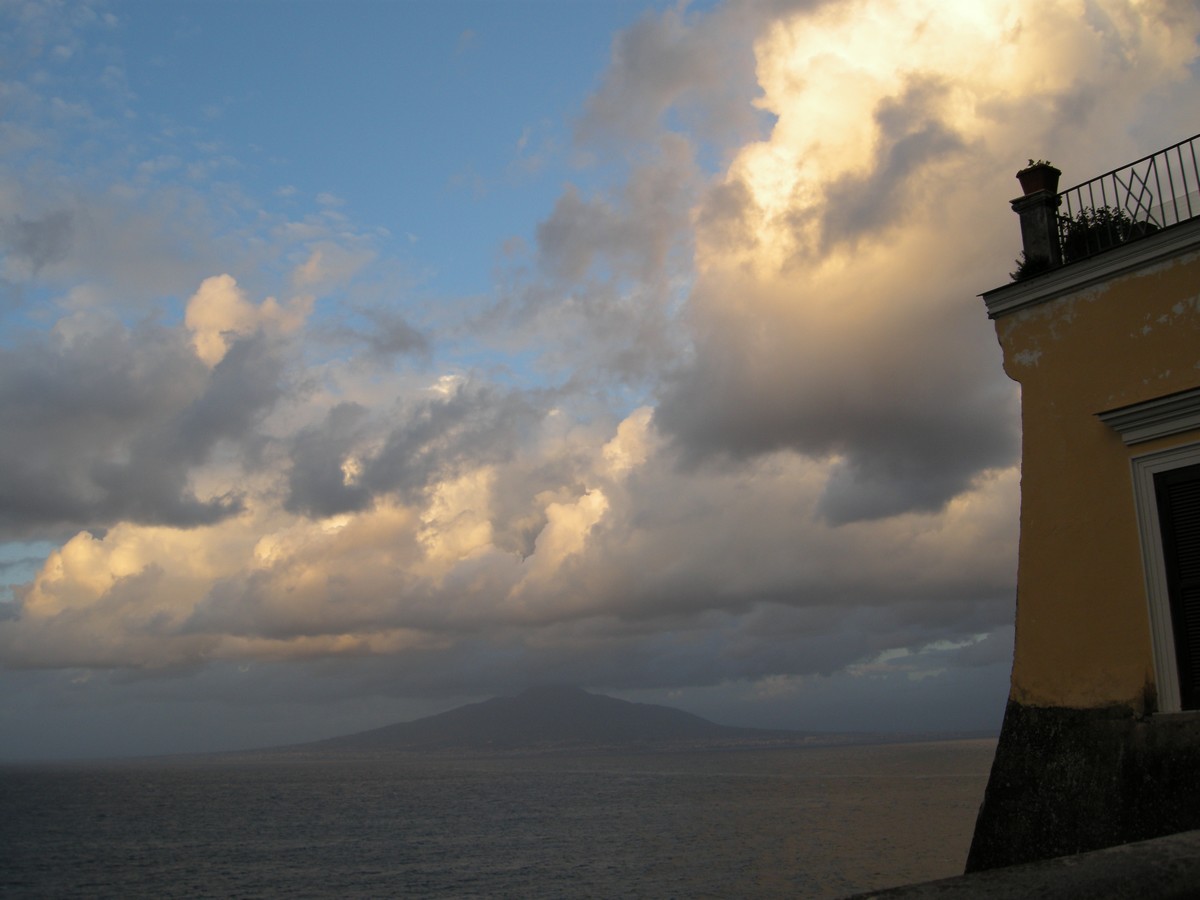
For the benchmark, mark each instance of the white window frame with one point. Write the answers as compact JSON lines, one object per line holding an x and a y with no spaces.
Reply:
{"x":1162,"y":632}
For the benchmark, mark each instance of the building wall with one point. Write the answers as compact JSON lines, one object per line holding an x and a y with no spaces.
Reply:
{"x":1083,"y":637}
{"x":1084,"y":761}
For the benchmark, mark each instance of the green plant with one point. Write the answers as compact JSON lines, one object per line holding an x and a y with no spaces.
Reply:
{"x":1027,"y":268}
{"x":1093,"y":230}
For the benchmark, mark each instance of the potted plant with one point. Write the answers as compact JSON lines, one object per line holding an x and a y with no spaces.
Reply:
{"x":1094,"y":230}
{"x":1039,"y":175}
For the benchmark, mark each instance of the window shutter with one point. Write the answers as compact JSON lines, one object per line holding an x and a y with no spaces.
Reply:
{"x":1177,"y":492}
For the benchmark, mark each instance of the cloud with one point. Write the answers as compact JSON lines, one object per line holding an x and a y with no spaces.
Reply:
{"x":699,"y":67}
{"x":596,"y":302}
{"x":105,"y":423}
{"x":632,"y":236}
{"x":38,"y":242}
{"x":831,"y":315}
{"x":218,"y":313}
{"x":911,"y":137}
{"x":732,"y":420}
{"x":326,"y":475}
{"x":329,"y":264}
{"x":384,"y":335}
{"x":630,"y":576}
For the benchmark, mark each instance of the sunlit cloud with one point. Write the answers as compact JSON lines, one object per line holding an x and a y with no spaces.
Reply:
{"x":219,"y":313}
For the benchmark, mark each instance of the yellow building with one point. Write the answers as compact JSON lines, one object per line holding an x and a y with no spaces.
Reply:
{"x":1101,"y":328}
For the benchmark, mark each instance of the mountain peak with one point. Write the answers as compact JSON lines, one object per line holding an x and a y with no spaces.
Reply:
{"x":550,"y":717}
{"x":553,"y":692}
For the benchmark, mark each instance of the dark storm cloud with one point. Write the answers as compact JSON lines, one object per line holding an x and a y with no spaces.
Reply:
{"x":317,"y":482}
{"x":920,"y":476}
{"x":339,"y":464}
{"x":901,"y":459}
{"x":912,"y":420}
{"x":474,"y":425}
{"x":240,"y":390}
{"x":108,"y":424}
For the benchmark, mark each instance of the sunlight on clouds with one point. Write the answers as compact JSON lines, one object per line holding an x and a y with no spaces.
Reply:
{"x":630,"y":448}
{"x":829,"y":75}
{"x":567,"y":528}
{"x":456,"y":524}
{"x":86,"y":569}
{"x":274,"y":586}
{"x":564,"y":537}
{"x":446,"y":385}
{"x":352,"y":470}
{"x":375,"y":642}
{"x":835,"y":257}
{"x":219,"y":310}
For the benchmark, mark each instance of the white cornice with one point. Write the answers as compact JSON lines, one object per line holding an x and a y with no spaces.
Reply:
{"x":1155,"y":418}
{"x":1100,"y":268}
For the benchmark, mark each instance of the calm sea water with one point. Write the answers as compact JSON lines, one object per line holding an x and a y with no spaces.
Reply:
{"x":813,"y":822}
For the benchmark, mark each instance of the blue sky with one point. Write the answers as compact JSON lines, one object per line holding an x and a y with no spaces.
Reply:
{"x":360,"y":360}
{"x":436,"y":122}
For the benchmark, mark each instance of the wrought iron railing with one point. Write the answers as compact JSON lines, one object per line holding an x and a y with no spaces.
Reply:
{"x":1141,"y":198}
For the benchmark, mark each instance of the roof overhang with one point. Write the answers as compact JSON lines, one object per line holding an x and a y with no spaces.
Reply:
{"x":1098,"y":269}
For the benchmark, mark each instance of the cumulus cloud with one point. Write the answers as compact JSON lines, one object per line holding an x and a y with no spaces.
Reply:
{"x":105,"y":423}
{"x":219,"y":312}
{"x":632,"y":566}
{"x":832,"y":315}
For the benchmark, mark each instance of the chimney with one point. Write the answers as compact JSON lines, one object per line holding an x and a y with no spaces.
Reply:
{"x":1038,"y":209}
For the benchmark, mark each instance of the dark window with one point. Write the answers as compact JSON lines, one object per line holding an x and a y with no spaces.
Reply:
{"x":1177,"y":492}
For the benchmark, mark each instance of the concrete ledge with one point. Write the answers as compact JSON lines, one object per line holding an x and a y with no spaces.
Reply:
{"x":1164,"y":868}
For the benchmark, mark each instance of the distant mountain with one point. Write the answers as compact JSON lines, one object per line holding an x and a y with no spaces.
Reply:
{"x":550,"y":718}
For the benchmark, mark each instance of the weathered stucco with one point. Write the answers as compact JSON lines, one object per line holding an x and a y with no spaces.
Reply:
{"x":1083,"y":636}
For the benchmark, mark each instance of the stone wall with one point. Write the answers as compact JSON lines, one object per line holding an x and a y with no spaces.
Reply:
{"x":1068,"y":781}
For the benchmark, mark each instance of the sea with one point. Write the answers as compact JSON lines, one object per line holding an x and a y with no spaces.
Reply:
{"x":815,"y":822}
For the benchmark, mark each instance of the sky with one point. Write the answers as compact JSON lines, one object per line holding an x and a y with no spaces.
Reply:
{"x":361,"y":360}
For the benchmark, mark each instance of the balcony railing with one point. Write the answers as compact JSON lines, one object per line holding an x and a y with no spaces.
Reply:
{"x":1141,"y":198}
